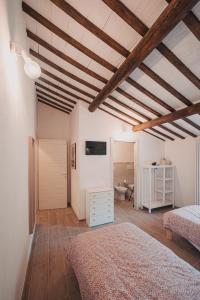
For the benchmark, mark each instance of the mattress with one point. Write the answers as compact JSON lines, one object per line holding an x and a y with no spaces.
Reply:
{"x":122,"y":262}
{"x":186,"y":222}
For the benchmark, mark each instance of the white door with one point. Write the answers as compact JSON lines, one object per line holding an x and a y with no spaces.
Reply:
{"x":52,"y":174}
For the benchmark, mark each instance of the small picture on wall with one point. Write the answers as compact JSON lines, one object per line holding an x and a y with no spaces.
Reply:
{"x":73,"y":153}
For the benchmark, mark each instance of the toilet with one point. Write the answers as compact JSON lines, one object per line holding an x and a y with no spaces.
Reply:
{"x":120,"y":192}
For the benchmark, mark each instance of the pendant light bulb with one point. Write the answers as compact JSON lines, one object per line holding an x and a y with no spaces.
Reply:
{"x":32,"y":69}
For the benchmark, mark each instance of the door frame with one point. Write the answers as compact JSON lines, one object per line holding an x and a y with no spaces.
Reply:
{"x":32,"y":182}
{"x":136,"y":168}
{"x":67,"y":168}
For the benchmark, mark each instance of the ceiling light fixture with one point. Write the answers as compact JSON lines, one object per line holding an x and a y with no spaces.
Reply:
{"x":31,"y":68}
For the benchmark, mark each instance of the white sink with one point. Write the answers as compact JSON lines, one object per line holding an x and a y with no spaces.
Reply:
{"x":121,"y":189}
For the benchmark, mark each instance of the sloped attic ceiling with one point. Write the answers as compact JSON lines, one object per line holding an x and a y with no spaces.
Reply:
{"x":80,"y":44}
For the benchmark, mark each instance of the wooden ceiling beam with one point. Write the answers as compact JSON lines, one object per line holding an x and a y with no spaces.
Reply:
{"x":169,"y":18}
{"x":188,"y":111}
{"x":65,"y":57}
{"x":125,"y":94}
{"x":182,"y":129}
{"x":193,"y":23}
{"x":125,"y":121}
{"x":53,"y":103}
{"x":81,"y":98}
{"x":161,"y":133}
{"x":63,"y":71}
{"x":82,"y":20}
{"x":68,"y":106}
{"x":66,"y":37}
{"x":164,"y":84}
{"x":149,"y":94}
{"x":176,"y":62}
{"x":154,"y":135}
{"x":172,"y":132}
{"x":135,"y":84}
{"x":44,"y":87}
{"x":129,"y":80}
{"x":53,"y":106}
{"x":117,"y":110}
{"x":170,"y":89}
{"x":128,"y":16}
{"x":64,"y":82}
{"x":95,"y":88}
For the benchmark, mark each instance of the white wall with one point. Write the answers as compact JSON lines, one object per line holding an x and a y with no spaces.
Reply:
{"x":123,"y":152}
{"x":75,"y":176}
{"x":182,"y":153}
{"x":94,"y":171}
{"x":17,"y":122}
{"x":52,"y":123}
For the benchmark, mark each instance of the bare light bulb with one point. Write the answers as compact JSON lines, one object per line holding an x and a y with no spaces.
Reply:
{"x":32,"y":69}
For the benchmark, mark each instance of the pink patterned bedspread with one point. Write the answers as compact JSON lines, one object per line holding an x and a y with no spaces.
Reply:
{"x":121,"y":262}
{"x":186,"y":222}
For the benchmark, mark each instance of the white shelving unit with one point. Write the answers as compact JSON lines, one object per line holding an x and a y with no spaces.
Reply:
{"x":157,"y":186}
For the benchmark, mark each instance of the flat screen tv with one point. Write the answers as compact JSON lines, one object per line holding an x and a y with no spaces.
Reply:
{"x":95,"y":148}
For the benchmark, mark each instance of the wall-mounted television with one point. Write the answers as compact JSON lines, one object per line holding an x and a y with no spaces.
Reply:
{"x":95,"y":148}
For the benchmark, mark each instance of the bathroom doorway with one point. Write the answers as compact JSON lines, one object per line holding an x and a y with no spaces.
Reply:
{"x":123,"y":161}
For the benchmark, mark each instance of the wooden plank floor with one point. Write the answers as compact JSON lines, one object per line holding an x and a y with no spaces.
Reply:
{"x":50,"y":276}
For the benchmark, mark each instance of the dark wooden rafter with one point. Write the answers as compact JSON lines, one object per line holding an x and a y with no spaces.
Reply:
{"x":63,"y":35}
{"x":96,"y":75}
{"x":113,"y":108}
{"x":192,"y":22}
{"x":149,"y":94}
{"x":170,"y":89}
{"x":53,"y":103}
{"x":169,"y":18}
{"x":128,"y":16}
{"x":79,"y":97}
{"x":164,"y":84}
{"x":53,"y":106}
{"x":68,"y":106}
{"x":108,"y":105}
{"x":55,"y":93}
{"x":100,"y":108}
{"x":125,"y":94}
{"x":188,"y":111}
{"x":68,"y":9}
{"x":65,"y":57}
{"x":81,"y":91}
{"x":182,"y":129}
{"x":102,"y":79}
{"x":107,"y":112}
{"x":69,"y":85}
{"x":176,"y":62}
{"x":63,"y":71}
{"x":31,"y":35}
{"x":163,"y":134}
{"x":117,"y":117}
{"x":154,"y":135}
{"x":111,"y":97}
{"x":77,"y":16}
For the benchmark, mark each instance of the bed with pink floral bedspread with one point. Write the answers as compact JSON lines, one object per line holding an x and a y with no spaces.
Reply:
{"x":186,"y":222}
{"x":122,"y":262}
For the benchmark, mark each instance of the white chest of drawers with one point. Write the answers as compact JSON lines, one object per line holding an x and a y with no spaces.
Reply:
{"x":99,"y":206}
